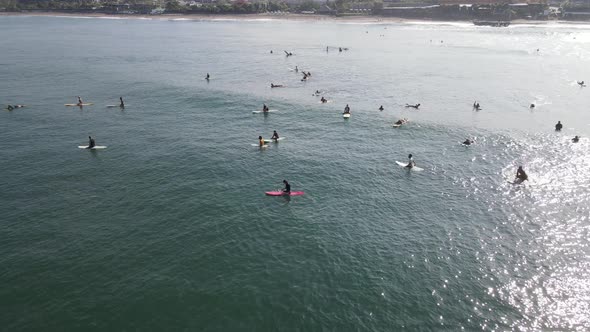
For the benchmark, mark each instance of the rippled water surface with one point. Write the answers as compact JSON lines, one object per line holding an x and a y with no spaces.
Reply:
{"x":169,"y":227}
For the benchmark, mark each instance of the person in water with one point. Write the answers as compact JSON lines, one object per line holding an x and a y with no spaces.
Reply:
{"x":11,"y":107}
{"x":521,"y":175}
{"x":207,"y":77}
{"x":80,"y":101}
{"x":532,"y":106}
{"x":468,"y":142}
{"x":275,"y":135}
{"x":400,"y":121}
{"x":411,"y":162}
{"x":91,"y":142}
{"x":260,"y":141}
{"x":558,"y":126}
{"x":347,"y":109}
{"x":276,"y":85}
{"x":576,"y":139}
{"x":324,"y":100}
{"x":264,"y":108}
{"x":581,"y":83}
{"x":381,"y":108}
{"x":287,"y":189}
{"x":122,"y":104}
{"x":339,"y":49}
{"x":417,"y":106}
{"x":296,"y":69}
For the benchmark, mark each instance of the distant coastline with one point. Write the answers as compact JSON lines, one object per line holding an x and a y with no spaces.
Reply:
{"x":268,"y":16}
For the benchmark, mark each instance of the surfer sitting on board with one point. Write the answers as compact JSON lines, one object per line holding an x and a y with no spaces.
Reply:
{"x":346,"y":109}
{"x":207,"y":77}
{"x":275,"y":135}
{"x":411,"y":162}
{"x":413,"y":106}
{"x":80,"y":101}
{"x":91,"y":143}
{"x":287,"y":189}
{"x":122,"y":104}
{"x":381,"y":108}
{"x":520,"y":175}
{"x":558,"y":126}
{"x":581,"y":83}
{"x":264,"y":108}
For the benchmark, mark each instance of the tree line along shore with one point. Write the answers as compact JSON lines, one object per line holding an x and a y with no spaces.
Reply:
{"x":499,"y":10}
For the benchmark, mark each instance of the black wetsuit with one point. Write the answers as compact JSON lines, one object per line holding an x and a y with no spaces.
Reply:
{"x":558,"y":127}
{"x":91,"y":143}
{"x":287,"y":189}
{"x":521,"y":175}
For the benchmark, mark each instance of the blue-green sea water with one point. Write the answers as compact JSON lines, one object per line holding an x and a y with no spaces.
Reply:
{"x":169,"y":228}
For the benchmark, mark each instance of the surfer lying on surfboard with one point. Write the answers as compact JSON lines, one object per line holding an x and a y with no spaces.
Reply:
{"x":413,"y":106}
{"x":11,"y":107}
{"x":276,"y":85}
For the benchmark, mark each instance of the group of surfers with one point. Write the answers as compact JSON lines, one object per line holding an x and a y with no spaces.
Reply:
{"x":275,"y":137}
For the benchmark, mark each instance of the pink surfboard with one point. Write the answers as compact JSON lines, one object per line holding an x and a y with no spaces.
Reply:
{"x":280,"y":193}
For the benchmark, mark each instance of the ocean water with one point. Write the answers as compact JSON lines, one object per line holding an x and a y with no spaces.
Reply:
{"x":169,"y":228}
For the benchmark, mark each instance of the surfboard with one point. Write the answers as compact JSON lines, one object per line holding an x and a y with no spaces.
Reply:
{"x":415,"y":168}
{"x":280,"y":193}
{"x":258,"y":145}
{"x":274,"y":140}
{"x":269,"y":111}
{"x":85,"y":104}
{"x":96,"y":147}
{"x":346,"y":116}
{"x":111,"y":106}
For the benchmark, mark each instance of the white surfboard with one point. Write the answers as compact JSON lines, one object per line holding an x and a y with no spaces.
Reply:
{"x":269,"y":111}
{"x":415,"y":168}
{"x":111,"y":106}
{"x":96,"y":147}
{"x":258,"y":145}
{"x":346,"y":116}
{"x":274,"y":140}
{"x":85,"y":104}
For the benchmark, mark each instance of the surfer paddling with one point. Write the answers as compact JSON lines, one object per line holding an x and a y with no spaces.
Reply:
{"x":468,"y":142}
{"x":417,"y":106}
{"x":581,"y":84}
{"x":520,"y":175}
{"x":272,"y":85}
{"x":576,"y":139}
{"x":11,"y":107}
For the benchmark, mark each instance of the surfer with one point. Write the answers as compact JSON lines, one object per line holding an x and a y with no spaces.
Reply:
{"x":80,"y":101}
{"x":401,"y":121}
{"x":287,"y":189}
{"x":581,"y":83}
{"x":411,"y":162}
{"x":276,"y":85}
{"x":381,"y":108}
{"x":207,"y":77}
{"x":91,"y":143}
{"x":346,"y":109}
{"x":468,"y":142}
{"x":532,"y":106}
{"x":339,"y":49}
{"x":264,"y":108}
{"x":260,"y":141}
{"x":324,"y":100}
{"x":11,"y":107}
{"x":417,"y":106}
{"x":520,"y":175}
{"x":275,"y":135}
{"x":288,"y":53}
{"x":558,"y":126}
{"x":576,"y":139}
{"x":296,"y":69}
{"x":122,"y":104}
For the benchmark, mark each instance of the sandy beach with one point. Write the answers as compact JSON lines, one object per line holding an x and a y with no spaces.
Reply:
{"x":267,"y":16}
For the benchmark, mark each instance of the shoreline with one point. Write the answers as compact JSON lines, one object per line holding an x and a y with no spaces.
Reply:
{"x":277,"y":17}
